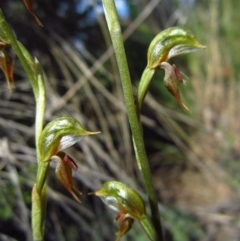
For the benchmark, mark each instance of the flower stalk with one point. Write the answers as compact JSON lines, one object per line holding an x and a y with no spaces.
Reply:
{"x":167,"y":44}
{"x":116,"y":36}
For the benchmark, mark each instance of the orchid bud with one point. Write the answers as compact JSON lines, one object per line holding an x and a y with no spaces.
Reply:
{"x":169,"y":43}
{"x":29,"y":6}
{"x":6,"y":64}
{"x":65,"y":165}
{"x":129,"y":205}
{"x":120,"y":197}
{"x":171,"y":78}
{"x":60,"y":134}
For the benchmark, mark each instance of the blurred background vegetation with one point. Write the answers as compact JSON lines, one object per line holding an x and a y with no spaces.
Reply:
{"x":195,"y":159}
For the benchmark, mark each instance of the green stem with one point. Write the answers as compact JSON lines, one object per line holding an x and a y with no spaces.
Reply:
{"x":40,"y":104}
{"x":41,"y":175}
{"x":41,"y":187}
{"x":116,"y":36}
{"x":35,"y":76}
{"x":144,"y":86}
{"x":34,"y":73}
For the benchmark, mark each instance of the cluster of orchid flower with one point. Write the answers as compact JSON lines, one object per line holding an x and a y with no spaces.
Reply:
{"x":64,"y":132}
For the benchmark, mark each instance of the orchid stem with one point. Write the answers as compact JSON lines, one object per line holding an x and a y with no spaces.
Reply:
{"x":35,"y":75}
{"x":117,"y":40}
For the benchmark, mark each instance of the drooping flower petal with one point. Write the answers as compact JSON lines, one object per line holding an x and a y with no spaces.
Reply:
{"x":171,"y":78}
{"x":6,"y":64}
{"x":63,"y":171}
{"x":124,"y":225}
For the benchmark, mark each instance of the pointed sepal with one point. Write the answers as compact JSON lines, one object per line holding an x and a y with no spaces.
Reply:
{"x":122,"y":198}
{"x":171,"y":79}
{"x":64,"y":167}
{"x":60,"y":134}
{"x":169,"y":43}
